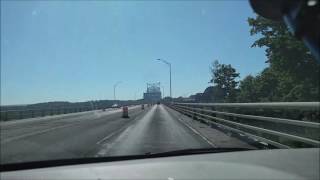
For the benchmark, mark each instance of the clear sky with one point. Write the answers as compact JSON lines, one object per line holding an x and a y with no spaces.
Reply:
{"x":76,"y":51}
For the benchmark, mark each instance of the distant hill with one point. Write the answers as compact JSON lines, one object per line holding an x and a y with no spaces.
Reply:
{"x":65,"y":104}
{"x":211,"y":94}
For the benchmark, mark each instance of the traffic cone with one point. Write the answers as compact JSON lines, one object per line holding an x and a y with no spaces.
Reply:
{"x":125,"y":112}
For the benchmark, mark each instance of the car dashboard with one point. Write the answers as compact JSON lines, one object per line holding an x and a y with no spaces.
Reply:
{"x":254,"y":164}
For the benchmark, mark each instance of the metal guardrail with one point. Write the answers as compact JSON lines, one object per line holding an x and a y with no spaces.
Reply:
{"x":270,"y":105}
{"x":281,"y":132}
{"x":31,"y":113}
{"x":7,"y":115}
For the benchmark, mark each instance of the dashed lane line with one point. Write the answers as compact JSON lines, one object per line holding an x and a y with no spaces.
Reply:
{"x":199,"y":134}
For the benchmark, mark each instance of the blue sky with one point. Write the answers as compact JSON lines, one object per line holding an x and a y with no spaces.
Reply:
{"x":76,"y":51}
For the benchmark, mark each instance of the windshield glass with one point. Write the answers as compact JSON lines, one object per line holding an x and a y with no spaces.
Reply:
{"x":86,"y":79}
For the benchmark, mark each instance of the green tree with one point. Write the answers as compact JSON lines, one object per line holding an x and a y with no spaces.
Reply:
{"x":224,"y":76}
{"x":295,"y":73}
{"x":213,"y":94}
{"x":248,"y":91}
{"x":261,"y":88}
{"x":266,"y":84}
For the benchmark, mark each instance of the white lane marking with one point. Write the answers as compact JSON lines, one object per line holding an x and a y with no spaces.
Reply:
{"x":110,"y":135}
{"x":50,"y":129}
{"x":264,"y":143}
{"x":191,"y":128}
{"x":33,"y":133}
{"x":195,"y":131}
{"x":107,"y":146}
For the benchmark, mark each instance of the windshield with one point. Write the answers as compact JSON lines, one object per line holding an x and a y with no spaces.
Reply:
{"x":82,"y":79}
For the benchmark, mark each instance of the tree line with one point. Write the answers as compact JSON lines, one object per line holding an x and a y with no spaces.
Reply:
{"x":292,"y":73}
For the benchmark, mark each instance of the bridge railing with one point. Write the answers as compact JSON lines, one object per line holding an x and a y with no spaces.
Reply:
{"x":281,"y":124}
{"x":7,"y":115}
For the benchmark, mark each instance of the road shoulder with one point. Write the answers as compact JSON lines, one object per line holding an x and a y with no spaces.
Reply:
{"x":216,"y":137}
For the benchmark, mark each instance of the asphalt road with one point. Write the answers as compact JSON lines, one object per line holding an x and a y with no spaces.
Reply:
{"x":155,"y":131}
{"x":96,"y":133}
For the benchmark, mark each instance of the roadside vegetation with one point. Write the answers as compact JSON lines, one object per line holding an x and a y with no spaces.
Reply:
{"x":292,"y":74}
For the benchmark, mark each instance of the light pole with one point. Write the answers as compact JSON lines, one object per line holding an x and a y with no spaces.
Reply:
{"x":92,"y":105}
{"x":169,"y":64}
{"x":114,"y":89}
{"x":162,"y":91}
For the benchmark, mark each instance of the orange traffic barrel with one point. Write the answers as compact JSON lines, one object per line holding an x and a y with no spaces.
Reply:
{"x":125,"y":112}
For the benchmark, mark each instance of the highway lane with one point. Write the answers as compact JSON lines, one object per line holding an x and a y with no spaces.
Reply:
{"x":156,"y":131}
{"x":58,"y":138}
{"x":16,"y":128}
{"x":94,"y":134}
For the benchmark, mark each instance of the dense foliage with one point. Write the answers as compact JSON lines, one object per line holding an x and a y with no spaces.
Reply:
{"x":292,"y":73}
{"x":224,"y":77}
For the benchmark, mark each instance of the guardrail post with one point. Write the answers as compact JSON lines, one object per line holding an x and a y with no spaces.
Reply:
{"x":194,"y":114}
{"x":213,"y":109}
{"x":204,"y":113}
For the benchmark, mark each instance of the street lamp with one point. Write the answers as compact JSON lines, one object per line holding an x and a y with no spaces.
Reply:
{"x":169,"y":64}
{"x":92,"y":105}
{"x":114,"y":89}
{"x":162,"y":91}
